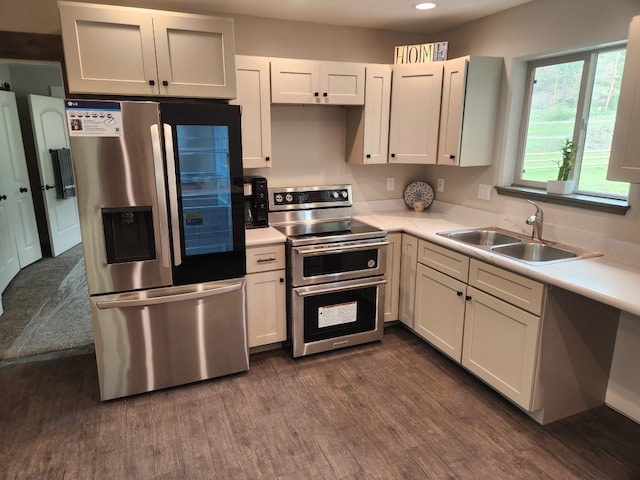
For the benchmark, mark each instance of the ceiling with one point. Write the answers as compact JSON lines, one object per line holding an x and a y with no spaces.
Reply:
{"x":379,"y":14}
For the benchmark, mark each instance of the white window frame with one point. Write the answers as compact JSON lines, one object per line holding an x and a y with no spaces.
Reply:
{"x":580,"y":127}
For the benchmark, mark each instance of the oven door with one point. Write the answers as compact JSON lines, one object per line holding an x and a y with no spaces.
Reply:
{"x":315,"y":264}
{"x":335,"y":315}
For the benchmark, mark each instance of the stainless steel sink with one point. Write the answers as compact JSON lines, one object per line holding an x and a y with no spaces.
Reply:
{"x":483,"y":236}
{"x":534,"y":252}
{"x":517,"y":246}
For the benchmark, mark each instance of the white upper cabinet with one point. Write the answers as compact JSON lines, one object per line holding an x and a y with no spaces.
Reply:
{"x":470,"y":91}
{"x":254,"y":98}
{"x":133,"y":51}
{"x":624,"y":161}
{"x":367,"y":137}
{"x":319,"y":83}
{"x":415,"y":113}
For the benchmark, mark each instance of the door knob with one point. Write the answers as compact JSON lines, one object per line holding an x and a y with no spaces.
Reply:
{"x":48,"y":187}
{"x":3,"y":197}
{"x":23,"y":190}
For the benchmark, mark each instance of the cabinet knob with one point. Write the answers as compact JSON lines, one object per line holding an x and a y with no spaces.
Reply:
{"x":3,"y":197}
{"x":459,"y":294}
{"x":268,"y":159}
{"x":23,"y":190}
{"x":325,"y":94}
{"x":316,"y":94}
{"x":368,"y":155}
{"x":281,"y":280}
{"x":165,"y":83}
{"x":152,"y":82}
{"x":452,"y":157}
{"x":393,"y":155}
{"x":467,"y":298}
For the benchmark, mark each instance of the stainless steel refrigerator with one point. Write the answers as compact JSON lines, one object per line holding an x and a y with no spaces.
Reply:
{"x":162,"y":224}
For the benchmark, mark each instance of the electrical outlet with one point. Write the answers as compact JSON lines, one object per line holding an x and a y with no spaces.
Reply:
{"x":484,"y":192}
{"x":441,"y":184}
{"x":391,"y":183}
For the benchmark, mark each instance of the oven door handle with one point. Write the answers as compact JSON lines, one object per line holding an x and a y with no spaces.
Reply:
{"x":308,"y":291}
{"x":311,"y":252}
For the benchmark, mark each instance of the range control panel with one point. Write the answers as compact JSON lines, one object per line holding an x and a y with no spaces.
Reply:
{"x":301,"y":198}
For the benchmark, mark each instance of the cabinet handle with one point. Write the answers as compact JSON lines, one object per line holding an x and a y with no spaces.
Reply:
{"x":152,"y":82}
{"x":467,"y":298}
{"x":3,"y":197}
{"x":459,"y":294}
{"x":263,"y":260}
{"x":23,"y":190}
{"x":165,"y":83}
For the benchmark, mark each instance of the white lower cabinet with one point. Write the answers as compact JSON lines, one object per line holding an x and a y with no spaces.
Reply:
{"x":266,"y":295}
{"x":407,"y":294}
{"x":392,"y":290}
{"x":440,"y":305}
{"x":482,"y":316}
{"x":501,"y":345}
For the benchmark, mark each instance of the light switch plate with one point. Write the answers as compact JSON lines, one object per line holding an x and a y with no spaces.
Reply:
{"x":441,"y":184}
{"x":391,"y":183}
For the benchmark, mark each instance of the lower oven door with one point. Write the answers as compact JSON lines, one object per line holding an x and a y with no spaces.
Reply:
{"x":335,"y":315}
{"x":315,"y":264}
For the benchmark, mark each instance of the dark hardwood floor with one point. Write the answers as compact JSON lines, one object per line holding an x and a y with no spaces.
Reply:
{"x":396,"y":409}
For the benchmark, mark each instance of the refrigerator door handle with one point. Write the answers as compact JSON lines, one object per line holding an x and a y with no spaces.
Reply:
{"x":165,"y":251}
{"x":173,"y":194}
{"x":170,"y":298}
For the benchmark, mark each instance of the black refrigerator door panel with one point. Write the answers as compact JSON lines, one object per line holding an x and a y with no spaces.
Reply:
{"x":204,"y":158}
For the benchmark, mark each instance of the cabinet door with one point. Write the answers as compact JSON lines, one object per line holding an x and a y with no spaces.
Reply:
{"x":392,"y":292}
{"x":342,"y":83}
{"x":501,"y":345}
{"x":624,"y":162}
{"x":254,"y":95}
{"x":195,"y":55}
{"x":408,"y":261}
{"x":415,"y":113}
{"x":453,"y":94}
{"x":367,"y":138}
{"x":439,"y":311}
{"x":295,"y":81}
{"x":108,"y":49}
{"x":266,"y":316}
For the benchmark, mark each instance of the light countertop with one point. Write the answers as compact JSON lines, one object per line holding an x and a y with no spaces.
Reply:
{"x":607,"y":279}
{"x":612,"y":279}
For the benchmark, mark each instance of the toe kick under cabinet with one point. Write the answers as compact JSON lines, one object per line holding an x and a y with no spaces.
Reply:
{"x":266,"y":302}
{"x":544,"y":348}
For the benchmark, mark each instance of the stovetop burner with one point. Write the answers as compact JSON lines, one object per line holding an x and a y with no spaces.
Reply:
{"x":315,"y":215}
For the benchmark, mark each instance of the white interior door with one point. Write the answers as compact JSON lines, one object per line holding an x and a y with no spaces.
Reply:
{"x":19,"y":241}
{"x":50,"y":133}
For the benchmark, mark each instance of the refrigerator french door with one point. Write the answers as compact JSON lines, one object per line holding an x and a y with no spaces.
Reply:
{"x":159,"y":209}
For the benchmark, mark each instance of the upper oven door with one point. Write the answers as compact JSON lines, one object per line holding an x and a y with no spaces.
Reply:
{"x":314,"y":264}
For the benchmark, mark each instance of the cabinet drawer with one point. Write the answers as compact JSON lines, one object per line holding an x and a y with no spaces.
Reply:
{"x":510,"y":287}
{"x":447,"y":261}
{"x":265,"y":258}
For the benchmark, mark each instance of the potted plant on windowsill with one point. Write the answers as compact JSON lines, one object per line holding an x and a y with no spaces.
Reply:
{"x":563,"y":185}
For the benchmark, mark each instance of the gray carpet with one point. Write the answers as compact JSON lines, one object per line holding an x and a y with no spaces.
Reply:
{"x":46,"y":309}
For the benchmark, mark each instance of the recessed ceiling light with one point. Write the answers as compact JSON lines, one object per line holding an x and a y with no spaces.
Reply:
{"x":425,"y":6}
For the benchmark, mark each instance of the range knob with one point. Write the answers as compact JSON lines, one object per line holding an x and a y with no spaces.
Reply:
{"x":278,"y":198}
{"x":289,"y":198}
{"x":335,"y":195}
{"x":344,"y":194}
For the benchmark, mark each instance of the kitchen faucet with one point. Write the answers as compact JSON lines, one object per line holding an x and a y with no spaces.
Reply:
{"x":536,"y":220}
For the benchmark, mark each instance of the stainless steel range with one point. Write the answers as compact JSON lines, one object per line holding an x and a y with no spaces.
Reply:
{"x":336,"y":268}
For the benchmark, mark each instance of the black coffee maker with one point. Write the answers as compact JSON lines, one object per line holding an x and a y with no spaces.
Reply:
{"x":256,"y":202}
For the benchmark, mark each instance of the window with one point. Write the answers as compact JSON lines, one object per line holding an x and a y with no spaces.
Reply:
{"x":572,"y":97}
